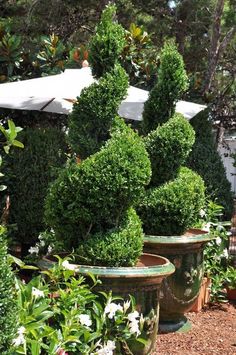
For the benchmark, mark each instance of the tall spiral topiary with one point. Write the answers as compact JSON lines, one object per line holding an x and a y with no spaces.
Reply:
{"x":172,"y":81}
{"x":8,"y":304}
{"x":175,"y":195}
{"x":90,"y":205}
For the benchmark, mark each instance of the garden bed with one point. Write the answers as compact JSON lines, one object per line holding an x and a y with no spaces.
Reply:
{"x":213,"y":332}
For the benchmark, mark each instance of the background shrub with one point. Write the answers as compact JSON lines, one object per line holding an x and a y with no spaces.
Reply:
{"x":29,"y":172}
{"x":168,"y":147}
{"x":92,"y":115}
{"x":107,"y":44}
{"x":94,"y":195}
{"x":206,"y":160}
{"x":173,"y":207}
{"x":172,"y":81}
{"x":119,"y":246}
{"x":8,"y":306}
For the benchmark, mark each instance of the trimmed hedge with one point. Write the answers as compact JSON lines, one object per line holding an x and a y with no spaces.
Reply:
{"x":107,"y":44}
{"x":94,"y":112}
{"x":120,"y":246}
{"x":8,"y":304}
{"x":29,"y":172}
{"x":173,"y":207}
{"x":206,"y":160}
{"x":95,"y":194}
{"x":168,"y":147}
{"x":172,"y":81}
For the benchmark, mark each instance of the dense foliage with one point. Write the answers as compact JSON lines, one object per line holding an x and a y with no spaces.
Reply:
{"x":8,"y":305}
{"x":171,"y":82}
{"x":92,"y":115}
{"x":107,"y":44}
{"x":61,"y":314}
{"x":28,"y":173}
{"x":94,"y":195}
{"x":174,"y":206}
{"x":168,"y":147}
{"x":205,"y":160}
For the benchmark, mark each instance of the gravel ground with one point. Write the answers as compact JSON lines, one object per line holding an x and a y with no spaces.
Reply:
{"x":213,"y":332}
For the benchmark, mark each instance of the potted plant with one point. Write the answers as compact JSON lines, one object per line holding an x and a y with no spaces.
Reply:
{"x":175,"y":194}
{"x":91,"y":204}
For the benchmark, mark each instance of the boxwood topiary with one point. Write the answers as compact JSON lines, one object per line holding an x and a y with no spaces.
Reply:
{"x":95,"y":194}
{"x":119,"y":246}
{"x":172,"y":81}
{"x":92,"y":115}
{"x":173,"y":207}
{"x":28,"y":172}
{"x":107,"y":44}
{"x":168,"y":147}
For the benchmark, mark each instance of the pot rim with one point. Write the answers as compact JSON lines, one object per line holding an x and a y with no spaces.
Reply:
{"x":165,"y":269}
{"x":200,"y":237}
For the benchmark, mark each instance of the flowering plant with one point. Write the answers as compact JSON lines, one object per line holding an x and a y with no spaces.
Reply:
{"x":216,"y":256}
{"x":60,"y":314}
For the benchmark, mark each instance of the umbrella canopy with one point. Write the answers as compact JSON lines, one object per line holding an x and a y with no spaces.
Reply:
{"x":56,"y":93}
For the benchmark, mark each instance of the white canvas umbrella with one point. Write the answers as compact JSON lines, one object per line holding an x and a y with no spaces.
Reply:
{"x":56,"y":93}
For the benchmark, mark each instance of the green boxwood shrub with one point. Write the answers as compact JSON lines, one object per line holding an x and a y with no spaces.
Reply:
{"x":94,"y":195}
{"x":119,"y":246}
{"x":28,"y":173}
{"x":168,"y":147}
{"x":8,"y":305}
{"x":206,"y":160}
{"x":172,"y":81}
{"x":173,"y":207}
{"x":107,"y":44}
{"x":93,"y":114}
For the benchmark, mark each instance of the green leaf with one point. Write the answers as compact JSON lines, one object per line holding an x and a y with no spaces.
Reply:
{"x":16,"y":143}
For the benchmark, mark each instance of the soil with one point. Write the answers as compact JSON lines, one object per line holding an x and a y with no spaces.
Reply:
{"x":213,"y":332}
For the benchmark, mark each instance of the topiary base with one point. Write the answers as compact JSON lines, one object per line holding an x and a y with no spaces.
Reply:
{"x":181,"y":325}
{"x":143,"y":282}
{"x":179,"y":291}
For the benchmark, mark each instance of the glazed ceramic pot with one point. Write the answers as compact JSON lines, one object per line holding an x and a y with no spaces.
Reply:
{"x":143,"y":282}
{"x":180,"y":290}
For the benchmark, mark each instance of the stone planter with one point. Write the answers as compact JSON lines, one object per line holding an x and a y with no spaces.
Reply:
{"x":204,"y":295}
{"x":179,"y":291}
{"x":142,"y":281}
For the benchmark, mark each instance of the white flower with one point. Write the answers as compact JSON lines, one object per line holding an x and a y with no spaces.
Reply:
{"x":202,"y":213}
{"x":85,"y":320}
{"x":34,"y":250}
{"x":112,"y":308}
{"x":225,"y":253}
{"x":107,"y":349}
{"x":49,"y":249}
{"x":42,"y":243}
{"x":37,"y":293}
{"x":218,"y":240}
{"x":132,"y":316}
{"x":126,"y":306}
{"x":68,"y":266}
{"x":20,"y":339}
{"x":134,"y":327}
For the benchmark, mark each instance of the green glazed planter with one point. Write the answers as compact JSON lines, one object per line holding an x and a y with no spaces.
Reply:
{"x":180,"y":290}
{"x":142,"y":282}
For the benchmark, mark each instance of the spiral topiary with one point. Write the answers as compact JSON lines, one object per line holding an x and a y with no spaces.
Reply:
{"x":172,"y":201}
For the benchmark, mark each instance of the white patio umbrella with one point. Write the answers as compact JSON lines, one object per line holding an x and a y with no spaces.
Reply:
{"x":56,"y":93}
